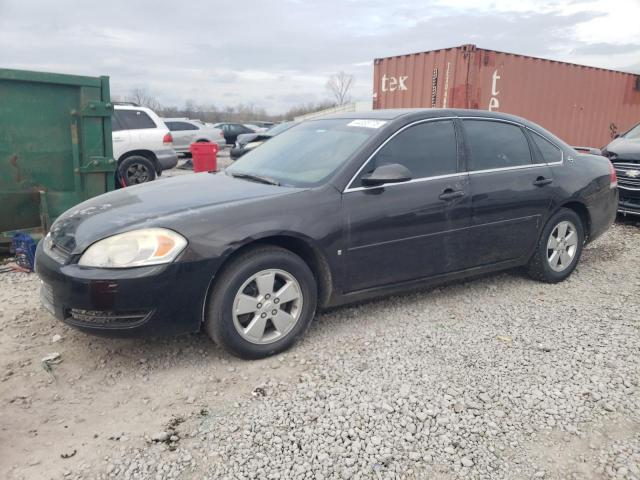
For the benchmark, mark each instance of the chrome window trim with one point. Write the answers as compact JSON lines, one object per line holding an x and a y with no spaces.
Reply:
{"x":552,"y":143}
{"x":415,"y":180}
{"x":506,"y":169}
{"x":469,"y":172}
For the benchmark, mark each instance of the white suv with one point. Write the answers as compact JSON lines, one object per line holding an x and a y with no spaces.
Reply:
{"x":142,"y":144}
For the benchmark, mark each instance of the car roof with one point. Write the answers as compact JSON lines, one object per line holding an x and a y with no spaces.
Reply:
{"x":131,"y":107}
{"x":396,"y":113}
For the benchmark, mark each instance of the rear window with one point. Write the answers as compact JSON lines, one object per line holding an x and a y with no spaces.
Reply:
{"x":135,"y":119}
{"x":496,"y":145}
{"x":180,"y":126}
{"x":550,"y":153}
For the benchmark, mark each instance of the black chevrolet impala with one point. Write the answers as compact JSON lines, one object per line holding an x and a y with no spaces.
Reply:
{"x":331,"y":211}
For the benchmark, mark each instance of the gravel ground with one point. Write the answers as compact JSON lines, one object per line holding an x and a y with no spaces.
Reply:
{"x":498,"y":378}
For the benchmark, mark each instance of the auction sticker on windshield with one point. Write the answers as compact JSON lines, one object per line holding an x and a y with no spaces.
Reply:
{"x":367,"y":123}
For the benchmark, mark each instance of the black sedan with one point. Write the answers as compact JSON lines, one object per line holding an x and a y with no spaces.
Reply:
{"x":624,"y":153}
{"x":248,"y":141}
{"x":232,"y":130}
{"x":331,"y":211}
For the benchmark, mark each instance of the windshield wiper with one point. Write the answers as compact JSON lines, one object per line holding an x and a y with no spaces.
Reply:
{"x":256,"y":178}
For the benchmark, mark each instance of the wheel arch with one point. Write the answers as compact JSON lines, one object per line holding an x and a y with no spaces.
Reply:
{"x":300,"y":246}
{"x":143,"y":153}
{"x":583,"y":212}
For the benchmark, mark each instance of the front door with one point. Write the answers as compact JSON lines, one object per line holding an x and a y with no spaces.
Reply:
{"x":406,"y":231}
{"x":511,"y":195}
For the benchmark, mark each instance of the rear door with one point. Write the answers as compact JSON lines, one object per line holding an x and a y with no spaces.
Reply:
{"x":405,"y":231}
{"x":511,"y":194}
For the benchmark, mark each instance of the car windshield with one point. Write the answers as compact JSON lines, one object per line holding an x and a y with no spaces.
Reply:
{"x":306,"y":154}
{"x":634,"y":133}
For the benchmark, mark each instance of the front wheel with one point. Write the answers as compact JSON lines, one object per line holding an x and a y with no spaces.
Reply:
{"x":262,"y":302}
{"x":559,"y":247}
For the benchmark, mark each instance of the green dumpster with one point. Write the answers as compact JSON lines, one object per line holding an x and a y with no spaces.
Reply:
{"x":55,"y":146}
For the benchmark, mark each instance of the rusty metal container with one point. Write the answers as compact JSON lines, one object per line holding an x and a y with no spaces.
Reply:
{"x":584,"y":106}
{"x":55,"y":146}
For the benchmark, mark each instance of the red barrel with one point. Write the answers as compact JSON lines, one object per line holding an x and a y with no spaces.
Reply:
{"x":204,"y":156}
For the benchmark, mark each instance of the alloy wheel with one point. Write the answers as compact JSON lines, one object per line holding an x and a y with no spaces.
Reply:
{"x":267,"y":306}
{"x":562,"y":246}
{"x":137,"y":173}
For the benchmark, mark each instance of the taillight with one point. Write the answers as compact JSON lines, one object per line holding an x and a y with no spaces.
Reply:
{"x":613,"y":176}
{"x":167,"y":139}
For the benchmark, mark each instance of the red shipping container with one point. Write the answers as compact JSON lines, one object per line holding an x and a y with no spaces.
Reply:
{"x":585,"y":106}
{"x":204,"y":156}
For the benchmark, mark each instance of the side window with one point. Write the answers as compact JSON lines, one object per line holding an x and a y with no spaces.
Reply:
{"x":188,"y":126}
{"x":496,"y":145}
{"x":427,"y":150}
{"x":550,"y":153}
{"x":180,"y":126}
{"x":136,"y":119}
{"x":116,"y":122}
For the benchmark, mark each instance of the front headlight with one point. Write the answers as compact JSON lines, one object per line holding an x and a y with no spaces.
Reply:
{"x":148,"y":246}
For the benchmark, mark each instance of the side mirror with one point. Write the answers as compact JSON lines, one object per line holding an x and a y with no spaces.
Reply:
{"x":391,"y":173}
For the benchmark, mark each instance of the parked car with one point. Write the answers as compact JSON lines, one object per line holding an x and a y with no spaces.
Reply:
{"x":262,"y":124}
{"x":255,"y":128}
{"x":232,"y":130}
{"x":331,"y":211}
{"x":142,"y":145}
{"x":624,"y":153}
{"x":248,"y":141}
{"x":186,"y":131}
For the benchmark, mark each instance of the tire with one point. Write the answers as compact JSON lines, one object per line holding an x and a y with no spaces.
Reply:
{"x":237,"y":288}
{"x":549,"y":263}
{"x":136,"y":169}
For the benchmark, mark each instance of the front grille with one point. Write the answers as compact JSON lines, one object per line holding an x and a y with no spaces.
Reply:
{"x":102,"y":318}
{"x":628,"y":175}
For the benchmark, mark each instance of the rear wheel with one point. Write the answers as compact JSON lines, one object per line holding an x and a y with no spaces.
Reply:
{"x":559,"y":247}
{"x":136,"y":169}
{"x":263,"y":301}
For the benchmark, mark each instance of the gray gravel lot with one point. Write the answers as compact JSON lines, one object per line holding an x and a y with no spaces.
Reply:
{"x":499,"y":377}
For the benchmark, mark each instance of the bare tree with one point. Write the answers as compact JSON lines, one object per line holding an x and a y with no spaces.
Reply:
{"x":143,"y":98}
{"x":339,"y":86}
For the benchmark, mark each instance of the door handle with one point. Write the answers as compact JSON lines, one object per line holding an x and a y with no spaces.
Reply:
{"x":541,"y":181}
{"x":450,"y":194}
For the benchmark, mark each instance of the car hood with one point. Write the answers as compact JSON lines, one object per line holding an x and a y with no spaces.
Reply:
{"x":245,"y":138}
{"x":154,"y":204}
{"x":625,"y":149}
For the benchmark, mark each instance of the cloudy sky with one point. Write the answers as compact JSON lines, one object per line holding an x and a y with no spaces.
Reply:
{"x":276,"y":54}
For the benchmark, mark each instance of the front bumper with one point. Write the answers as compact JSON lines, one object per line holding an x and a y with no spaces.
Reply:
{"x":155,"y":300}
{"x":167,"y":158}
{"x":629,"y":203}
